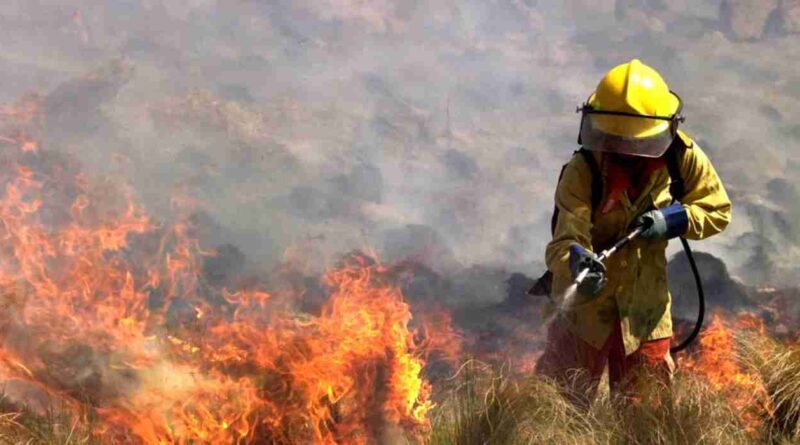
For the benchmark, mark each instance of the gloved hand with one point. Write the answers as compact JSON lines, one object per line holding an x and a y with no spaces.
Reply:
{"x":666,"y":223}
{"x":580,"y":259}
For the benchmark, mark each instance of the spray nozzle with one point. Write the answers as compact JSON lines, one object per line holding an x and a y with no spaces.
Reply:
{"x":613,"y":249}
{"x":645,"y":224}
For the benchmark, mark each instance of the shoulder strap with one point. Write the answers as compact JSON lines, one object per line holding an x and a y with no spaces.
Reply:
{"x":677,"y":188}
{"x":597,"y":178}
{"x":597,"y":185}
{"x":554,"y":218}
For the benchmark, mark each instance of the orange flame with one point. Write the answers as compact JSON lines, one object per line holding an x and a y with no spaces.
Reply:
{"x":340,"y":377}
{"x":717,"y":363}
{"x":94,"y":295}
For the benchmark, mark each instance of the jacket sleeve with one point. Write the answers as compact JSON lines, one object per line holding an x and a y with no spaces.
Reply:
{"x":706,"y":200}
{"x":573,"y":200}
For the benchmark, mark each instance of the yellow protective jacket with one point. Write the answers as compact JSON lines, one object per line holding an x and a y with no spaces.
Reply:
{"x":636,"y":290}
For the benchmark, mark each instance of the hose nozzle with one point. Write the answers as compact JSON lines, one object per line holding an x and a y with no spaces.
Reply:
{"x":604,"y":255}
{"x":581,"y":276}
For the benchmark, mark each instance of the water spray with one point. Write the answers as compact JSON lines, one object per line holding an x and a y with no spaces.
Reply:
{"x":572,"y":290}
{"x":604,"y":255}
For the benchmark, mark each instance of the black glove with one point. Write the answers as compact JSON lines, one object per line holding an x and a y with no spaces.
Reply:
{"x":666,"y":223}
{"x":580,"y":259}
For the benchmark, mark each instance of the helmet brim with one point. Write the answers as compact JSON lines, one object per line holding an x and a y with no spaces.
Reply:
{"x":640,"y":124}
{"x":594,"y":138}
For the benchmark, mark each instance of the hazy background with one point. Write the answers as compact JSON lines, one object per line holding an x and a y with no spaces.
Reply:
{"x":426,"y":129}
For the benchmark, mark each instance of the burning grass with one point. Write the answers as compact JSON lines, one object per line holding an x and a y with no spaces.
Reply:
{"x":108,"y":315}
{"x":82,"y":325}
{"x":484,"y":405}
{"x":107,"y":312}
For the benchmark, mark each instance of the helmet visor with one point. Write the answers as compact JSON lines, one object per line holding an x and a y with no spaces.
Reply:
{"x":594,"y":138}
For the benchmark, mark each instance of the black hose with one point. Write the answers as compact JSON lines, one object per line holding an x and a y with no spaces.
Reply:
{"x":701,"y":299}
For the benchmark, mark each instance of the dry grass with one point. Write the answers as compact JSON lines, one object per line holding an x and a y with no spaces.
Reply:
{"x":58,"y":426}
{"x":687,"y":412}
{"x":481,"y":406}
{"x":779,"y":368}
{"x":484,"y":407}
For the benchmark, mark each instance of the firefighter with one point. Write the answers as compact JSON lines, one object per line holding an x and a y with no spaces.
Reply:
{"x":620,"y":317}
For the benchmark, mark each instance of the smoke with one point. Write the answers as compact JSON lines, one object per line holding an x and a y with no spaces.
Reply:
{"x":425,"y":130}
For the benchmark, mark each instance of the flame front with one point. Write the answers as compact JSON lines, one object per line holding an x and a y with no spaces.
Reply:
{"x":718,"y":365}
{"x":109,"y":312}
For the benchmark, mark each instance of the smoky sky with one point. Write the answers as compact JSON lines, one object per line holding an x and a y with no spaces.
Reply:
{"x":431,"y":130}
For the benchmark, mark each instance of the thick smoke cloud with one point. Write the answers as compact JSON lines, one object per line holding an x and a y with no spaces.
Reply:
{"x":429,"y":130}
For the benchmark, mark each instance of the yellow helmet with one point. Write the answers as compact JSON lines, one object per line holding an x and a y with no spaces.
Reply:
{"x":632,"y":111}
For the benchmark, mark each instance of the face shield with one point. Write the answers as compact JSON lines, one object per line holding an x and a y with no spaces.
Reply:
{"x":628,"y":133}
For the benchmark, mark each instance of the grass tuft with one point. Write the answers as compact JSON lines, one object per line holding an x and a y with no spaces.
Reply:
{"x":483,"y":406}
{"x":56,"y":426}
{"x":779,"y":368}
{"x":487,"y":407}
